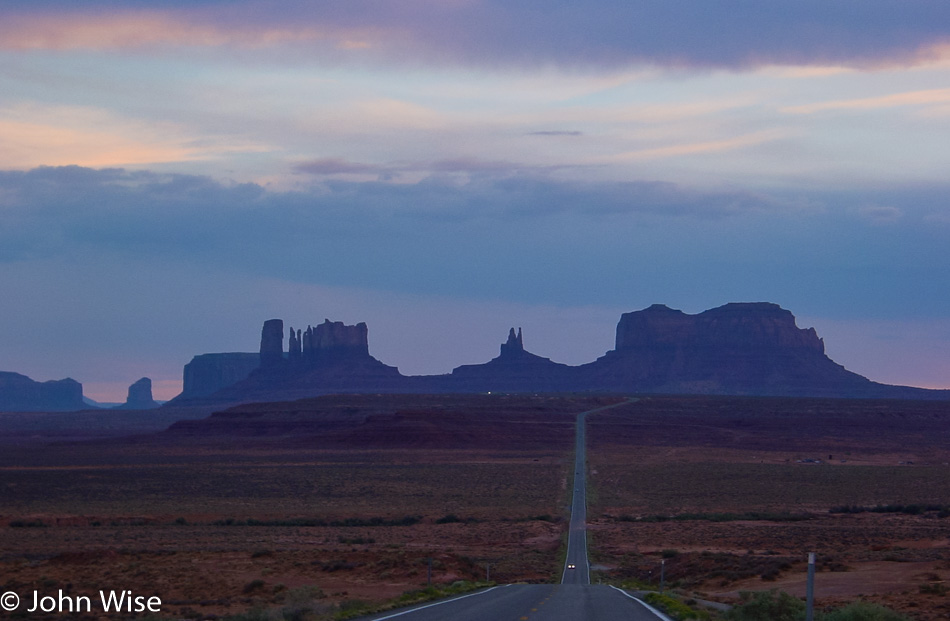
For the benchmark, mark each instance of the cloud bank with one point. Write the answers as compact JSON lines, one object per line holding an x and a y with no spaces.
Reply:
{"x":500,"y":235}
{"x":607,"y":34}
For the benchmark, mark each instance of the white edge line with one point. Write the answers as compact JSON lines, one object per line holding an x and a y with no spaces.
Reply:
{"x":405,"y":612}
{"x":646,"y":605}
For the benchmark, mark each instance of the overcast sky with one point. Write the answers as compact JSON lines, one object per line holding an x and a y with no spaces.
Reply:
{"x":174,"y":173}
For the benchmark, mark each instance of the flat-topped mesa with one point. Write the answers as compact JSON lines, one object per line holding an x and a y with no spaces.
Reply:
{"x":18,"y":393}
{"x":739,"y":348}
{"x":755,"y":326}
{"x":333,"y":341}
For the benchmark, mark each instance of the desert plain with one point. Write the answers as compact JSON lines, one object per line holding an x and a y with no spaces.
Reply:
{"x":328,"y":507}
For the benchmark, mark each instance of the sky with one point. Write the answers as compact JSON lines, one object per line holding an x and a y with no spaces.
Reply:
{"x":173,"y":173}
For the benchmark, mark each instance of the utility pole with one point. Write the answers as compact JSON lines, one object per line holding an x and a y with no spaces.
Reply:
{"x":810,"y":592}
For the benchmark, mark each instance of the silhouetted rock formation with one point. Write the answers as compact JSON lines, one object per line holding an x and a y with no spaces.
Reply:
{"x":514,"y":347}
{"x":334,"y":341}
{"x":514,"y":370}
{"x":272,"y":343}
{"x":737,"y":349}
{"x":331,"y":357}
{"x":742,"y":349}
{"x":209,"y":373}
{"x":732,"y":328}
{"x":18,"y":393}
{"x":294,"y":348}
{"x":140,"y":396}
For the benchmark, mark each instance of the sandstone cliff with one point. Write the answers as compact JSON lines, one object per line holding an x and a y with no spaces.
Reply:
{"x":272,"y":343}
{"x":334,"y":341}
{"x":209,"y":373}
{"x":734,"y":327}
{"x":747,"y":348}
{"x":19,"y":393}
{"x":329,"y":358}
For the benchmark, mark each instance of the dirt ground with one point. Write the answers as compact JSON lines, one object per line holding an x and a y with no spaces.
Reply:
{"x":731,"y":495}
{"x":343,"y":500}
{"x":335,"y":502}
{"x":211,"y":570}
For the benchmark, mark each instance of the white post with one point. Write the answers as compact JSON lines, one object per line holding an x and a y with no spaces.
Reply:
{"x":662,"y":575}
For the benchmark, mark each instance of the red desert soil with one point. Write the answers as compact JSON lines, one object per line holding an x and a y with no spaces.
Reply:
{"x":335,"y":499}
{"x":733,"y":493}
{"x":345,"y":498}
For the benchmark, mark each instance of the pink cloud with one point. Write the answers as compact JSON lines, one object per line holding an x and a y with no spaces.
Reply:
{"x":28,"y":144}
{"x":143,"y":29}
{"x":913,"y":98}
{"x":695,"y":148}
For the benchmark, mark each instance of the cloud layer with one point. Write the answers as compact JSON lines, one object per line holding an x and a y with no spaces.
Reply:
{"x":497,"y":33}
{"x":497,"y":234}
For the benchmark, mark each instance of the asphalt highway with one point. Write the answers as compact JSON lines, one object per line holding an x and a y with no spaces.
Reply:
{"x":574,"y":599}
{"x":532,"y":602}
{"x":576,"y":565}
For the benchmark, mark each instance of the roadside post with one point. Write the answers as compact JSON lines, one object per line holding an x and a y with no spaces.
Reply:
{"x":663,"y":576}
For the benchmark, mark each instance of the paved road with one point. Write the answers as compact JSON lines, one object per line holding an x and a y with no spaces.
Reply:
{"x":576,"y":565}
{"x":575,"y":599}
{"x":533,"y":602}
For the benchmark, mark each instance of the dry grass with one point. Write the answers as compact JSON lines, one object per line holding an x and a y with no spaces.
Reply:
{"x":217,"y":523}
{"x":733,"y":493}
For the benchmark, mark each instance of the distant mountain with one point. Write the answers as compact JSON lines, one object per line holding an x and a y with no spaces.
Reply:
{"x":736,"y":349}
{"x":19,"y":393}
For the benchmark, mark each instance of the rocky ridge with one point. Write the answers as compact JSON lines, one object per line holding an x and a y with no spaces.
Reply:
{"x":736,"y":349}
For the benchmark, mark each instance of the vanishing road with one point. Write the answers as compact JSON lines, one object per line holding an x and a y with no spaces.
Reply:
{"x":574,"y":599}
